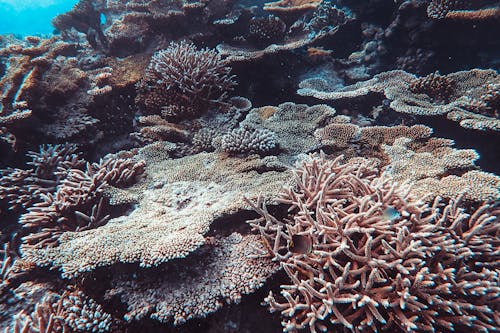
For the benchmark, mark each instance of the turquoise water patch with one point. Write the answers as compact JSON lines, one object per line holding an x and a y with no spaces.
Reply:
{"x":31,"y":17}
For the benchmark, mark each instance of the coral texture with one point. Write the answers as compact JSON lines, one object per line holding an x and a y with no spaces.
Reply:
{"x":455,"y":95}
{"x":176,"y":208}
{"x":377,"y":257}
{"x":186,"y":79}
{"x":222,"y":272}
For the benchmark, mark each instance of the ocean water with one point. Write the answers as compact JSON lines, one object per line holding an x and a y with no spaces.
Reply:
{"x":31,"y":17}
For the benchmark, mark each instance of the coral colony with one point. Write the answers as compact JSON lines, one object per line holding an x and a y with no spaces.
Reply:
{"x":252,"y":166}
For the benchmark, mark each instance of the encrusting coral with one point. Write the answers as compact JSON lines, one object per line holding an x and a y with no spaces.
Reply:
{"x":363,"y":255}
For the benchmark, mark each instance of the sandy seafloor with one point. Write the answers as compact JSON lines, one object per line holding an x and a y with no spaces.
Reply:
{"x":250,"y":166}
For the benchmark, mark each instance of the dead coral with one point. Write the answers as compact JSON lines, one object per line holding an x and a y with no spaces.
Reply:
{"x":363,"y":255}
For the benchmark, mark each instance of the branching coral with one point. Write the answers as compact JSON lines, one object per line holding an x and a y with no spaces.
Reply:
{"x":69,"y":312}
{"x":63,"y":192}
{"x":248,"y":141}
{"x":362,"y":255}
{"x":22,"y":188}
{"x":179,"y":202}
{"x":185,"y":79}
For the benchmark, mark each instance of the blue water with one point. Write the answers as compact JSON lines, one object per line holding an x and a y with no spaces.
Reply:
{"x":31,"y":17}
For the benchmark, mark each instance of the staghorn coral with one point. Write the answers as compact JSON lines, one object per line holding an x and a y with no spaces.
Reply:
{"x":454,"y":95}
{"x":177,"y":204}
{"x":62,"y":193}
{"x":220,"y":273}
{"x":423,"y":268}
{"x":186,"y":80}
{"x":22,"y":188}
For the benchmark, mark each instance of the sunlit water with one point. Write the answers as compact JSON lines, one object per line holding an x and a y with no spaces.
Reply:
{"x":31,"y":17}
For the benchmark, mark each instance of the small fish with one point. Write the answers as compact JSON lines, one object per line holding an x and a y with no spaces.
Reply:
{"x":391,"y":214}
{"x":300,"y":244}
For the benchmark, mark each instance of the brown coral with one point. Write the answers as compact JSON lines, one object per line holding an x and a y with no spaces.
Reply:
{"x":458,"y":95}
{"x":188,"y":79}
{"x":437,"y":87}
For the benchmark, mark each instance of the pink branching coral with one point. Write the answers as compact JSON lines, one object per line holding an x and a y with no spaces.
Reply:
{"x":63,"y":192}
{"x":77,"y":204}
{"x":22,"y":188}
{"x":362,"y":255}
{"x":183,"y":81}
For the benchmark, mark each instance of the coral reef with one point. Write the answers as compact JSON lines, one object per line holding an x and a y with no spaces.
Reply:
{"x":455,"y":95}
{"x":139,"y":137}
{"x":224,"y":273}
{"x":363,"y":269}
{"x":173,"y":214}
{"x":182,"y":81}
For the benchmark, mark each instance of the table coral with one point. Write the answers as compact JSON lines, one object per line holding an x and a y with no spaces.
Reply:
{"x":221,"y":272}
{"x":455,"y":95}
{"x":176,"y":208}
